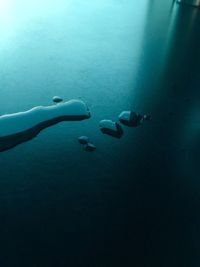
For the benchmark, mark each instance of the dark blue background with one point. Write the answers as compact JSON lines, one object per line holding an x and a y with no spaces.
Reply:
{"x":135,"y":201}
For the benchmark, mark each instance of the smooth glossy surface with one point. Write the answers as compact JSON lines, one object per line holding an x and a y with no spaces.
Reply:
{"x":83,"y":140}
{"x":111,"y":128}
{"x":23,"y":126}
{"x":89,"y":147}
{"x":135,"y":201}
{"x":57,"y":99}
{"x":131,"y":118}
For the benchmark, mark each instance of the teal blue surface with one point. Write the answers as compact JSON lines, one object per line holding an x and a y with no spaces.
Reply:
{"x":134,"y":201}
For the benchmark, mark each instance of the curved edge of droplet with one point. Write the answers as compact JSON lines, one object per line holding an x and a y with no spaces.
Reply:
{"x":16,"y":138}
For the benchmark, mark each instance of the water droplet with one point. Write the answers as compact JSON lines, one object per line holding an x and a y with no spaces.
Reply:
{"x":130,"y":118}
{"x":22,"y":126}
{"x":111,"y":128}
{"x":57,"y":99}
{"x":83,"y":140}
{"x":89,"y":147}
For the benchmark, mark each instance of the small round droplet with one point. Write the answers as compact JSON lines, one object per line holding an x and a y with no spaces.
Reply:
{"x":89,"y":147}
{"x":57,"y":99}
{"x":83,"y":140}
